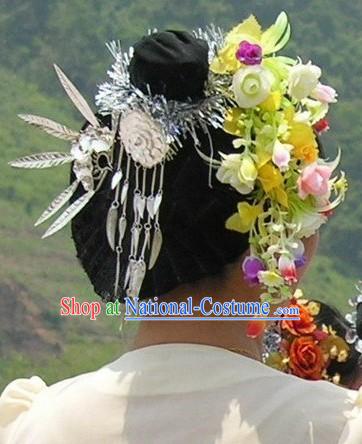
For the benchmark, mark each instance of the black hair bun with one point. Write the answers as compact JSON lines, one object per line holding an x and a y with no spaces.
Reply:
{"x":173,"y":63}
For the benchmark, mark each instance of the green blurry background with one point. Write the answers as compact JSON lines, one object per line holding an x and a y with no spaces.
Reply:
{"x":35,"y":274}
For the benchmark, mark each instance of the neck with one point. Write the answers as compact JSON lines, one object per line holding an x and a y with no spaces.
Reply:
{"x":230,"y":335}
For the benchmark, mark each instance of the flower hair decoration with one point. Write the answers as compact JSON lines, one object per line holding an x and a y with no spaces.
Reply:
{"x":288,"y":191}
{"x":304,"y":347}
{"x":274,"y":106}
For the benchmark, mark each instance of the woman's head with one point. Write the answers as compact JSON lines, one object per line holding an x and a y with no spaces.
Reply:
{"x":192,"y":216}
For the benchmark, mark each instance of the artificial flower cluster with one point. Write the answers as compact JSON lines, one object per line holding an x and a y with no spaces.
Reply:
{"x":307,"y":349}
{"x":278,"y":109}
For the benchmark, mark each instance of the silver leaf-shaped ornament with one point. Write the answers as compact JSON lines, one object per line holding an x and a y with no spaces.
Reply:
{"x":69,"y":213}
{"x":76,"y":97}
{"x":122,"y":225}
{"x":57,"y":203}
{"x":117,"y":177}
{"x":124,"y":192}
{"x":49,"y":126}
{"x":111,"y":225}
{"x":141,"y":204}
{"x":135,"y":238}
{"x":157,"y":203}
{"x":155,"y":248}
{"x":42,"y":160}
{"x":150,"y":206}
{"x":129,"y":271}
{"x":137,"y":275}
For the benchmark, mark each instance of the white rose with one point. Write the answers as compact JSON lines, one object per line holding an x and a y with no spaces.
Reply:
{"x":251,"y":86}
{"x":310,"y":223}
{"x":143,"y":138}
{"x":303,"y":79}
{"x":239,"y":171}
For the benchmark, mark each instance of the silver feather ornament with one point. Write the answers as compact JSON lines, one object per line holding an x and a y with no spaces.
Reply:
{"x":57,"y":203}
{"x":69,"y":213}
{"x":76,"y":97}
{"x":42,"y":160}
{"x":49,"y":126}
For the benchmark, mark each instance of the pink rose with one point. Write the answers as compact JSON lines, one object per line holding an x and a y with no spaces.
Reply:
{"x":314,"y":180}
{"x":325,"y":93}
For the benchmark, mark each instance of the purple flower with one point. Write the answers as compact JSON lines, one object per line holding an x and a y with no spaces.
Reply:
{"x":251,"y":267}
{"x":249,"y":54}
{"x":300,"y":261}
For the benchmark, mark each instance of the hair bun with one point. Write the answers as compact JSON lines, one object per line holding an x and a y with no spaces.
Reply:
{"x":173,"y":63}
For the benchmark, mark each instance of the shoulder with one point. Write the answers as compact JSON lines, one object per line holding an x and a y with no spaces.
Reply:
{"x":58,"y":413}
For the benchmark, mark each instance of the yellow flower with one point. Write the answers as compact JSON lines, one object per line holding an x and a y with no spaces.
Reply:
{"x":233,"y":123}
{"x":276,"y":360}
{"x":289,"y":114}
{"x":226,"y":61}
{"x":335,"y":347}
{"x":272,"y":103}
{"x":304,"y":141}
{"x":271,"y":41}
{"x":270,"y":278}
{"x":245,"y":218}
{"x":313,"y":308}
{"x":280,"y":196}
{"x":270,"y":177}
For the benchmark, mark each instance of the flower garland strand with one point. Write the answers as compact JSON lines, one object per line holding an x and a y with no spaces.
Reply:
{"x":279,"y":107}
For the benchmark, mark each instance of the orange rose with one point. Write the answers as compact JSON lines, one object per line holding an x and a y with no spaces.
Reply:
{"x":304,"y":326}
{"x":306,"y":358}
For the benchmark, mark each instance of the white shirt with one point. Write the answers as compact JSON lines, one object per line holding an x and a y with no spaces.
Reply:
{"x":177,"y":394}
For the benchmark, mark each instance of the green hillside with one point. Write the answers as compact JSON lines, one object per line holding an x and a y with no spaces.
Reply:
{"x":34,"y":274}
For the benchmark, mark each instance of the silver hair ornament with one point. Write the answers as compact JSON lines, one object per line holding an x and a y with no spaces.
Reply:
{"x":150,"y":130}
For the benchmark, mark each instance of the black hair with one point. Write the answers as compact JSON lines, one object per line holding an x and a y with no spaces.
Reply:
{"x":330,"y":316}
{"x":192,"y":215}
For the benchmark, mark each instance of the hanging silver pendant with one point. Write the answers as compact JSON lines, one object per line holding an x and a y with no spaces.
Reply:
{"x":137,"y":275}
{"x":155,"y":248}
{"x":122,"y":225}
{"x":111,"y":225}
{"x":124,"y":192}
{"x":140,"y":205}
{"x":117,"y":177}
{"x":128,"y":273}
{"x":135,"y":238}
{"x":157,"y":203}
{"x":150,"y":206}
